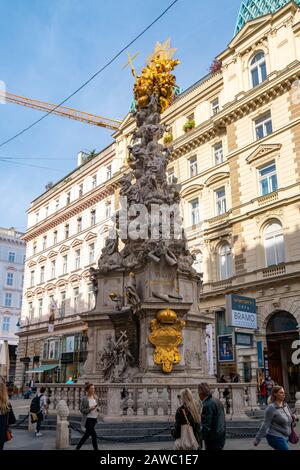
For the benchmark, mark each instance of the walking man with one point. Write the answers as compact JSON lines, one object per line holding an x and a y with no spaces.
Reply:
{"x":213,"y":424}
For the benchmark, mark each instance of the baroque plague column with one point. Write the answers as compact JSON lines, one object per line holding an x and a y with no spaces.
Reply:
{"x":146,"y":325}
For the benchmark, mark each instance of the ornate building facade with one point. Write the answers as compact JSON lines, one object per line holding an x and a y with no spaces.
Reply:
{"x":12,"y":256}
{"x":235,"y":137}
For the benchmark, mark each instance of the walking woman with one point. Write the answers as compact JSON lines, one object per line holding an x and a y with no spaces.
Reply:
{"x":7,"y":416}
{"x":88,"y":407}
{"x":277,"y":422}
{"x":188,"y":413}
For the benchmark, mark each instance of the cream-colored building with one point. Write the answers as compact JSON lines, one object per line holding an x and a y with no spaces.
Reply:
{"x":239,"y":166}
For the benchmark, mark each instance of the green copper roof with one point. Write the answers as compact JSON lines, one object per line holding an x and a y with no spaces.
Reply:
{"x":251,"y":9}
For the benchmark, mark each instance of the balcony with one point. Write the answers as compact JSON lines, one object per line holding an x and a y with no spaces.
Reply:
{"x":219,"y":219}
{"x":274,"y":271}
{"x":267,"y":199}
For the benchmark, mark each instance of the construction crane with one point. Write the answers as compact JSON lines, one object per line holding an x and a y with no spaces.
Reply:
{"x":63,"y":111}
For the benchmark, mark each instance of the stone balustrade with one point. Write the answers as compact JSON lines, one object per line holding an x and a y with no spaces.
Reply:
{"x":150,"y":401}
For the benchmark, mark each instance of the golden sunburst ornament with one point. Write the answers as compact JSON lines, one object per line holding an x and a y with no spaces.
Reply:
{"x":157,"y":78}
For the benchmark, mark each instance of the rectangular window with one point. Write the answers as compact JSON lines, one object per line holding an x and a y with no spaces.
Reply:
{"x":65,"y":264}
{"x":21,"y":301}
{"x":37,"y":215}
{"x":220,"y":201}
{"x":30,"y":311}
{"x":108,"y":210}
{"x":77,"y":259}
{"x":90,"y":297}
{"x":80,"y":190}
{"x":93,"y":217}
{"x":62,"y":309}
{"x":5,"y":324}
{"x":10,"y":279}
{"x":108,"y":172}
{"x":46,"y":211}
{"x":274,"y":248}
{"x":55,"y":237}
{"x":91,"y":253}
{"x":42,"y":274}
{"x":218,"y":153}
{"x":68,"y":198}
{"x":171,"y":176}
{"x":40,"y":302}
{"x":31,"y":278}
{"x":53,"y":265}
{"x":11,"y":257}
{"x":79,"y":224}
{"x":263,"y":126}
{"x":67,"y":231}
{"x":193,"y":166}
{"x":57,"y":204}
{"x":194,"y":212}
{"x":215,"y":107}
{"x":94,"y":181}
{"x":45,"y":242}
{"x":268,"y":179}
{"x":34,"y":248}
{"x":76,"y":299}
{"x":8,"y":299}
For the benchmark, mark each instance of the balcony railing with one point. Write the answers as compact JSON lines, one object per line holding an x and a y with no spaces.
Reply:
{"x":267,"y":199}
{"x":274,"y":271}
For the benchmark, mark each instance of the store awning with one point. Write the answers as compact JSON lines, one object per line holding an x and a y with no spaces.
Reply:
{"x":43,"y":368}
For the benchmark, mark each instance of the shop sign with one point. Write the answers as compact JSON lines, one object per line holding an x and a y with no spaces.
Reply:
{"x":241,"y":311}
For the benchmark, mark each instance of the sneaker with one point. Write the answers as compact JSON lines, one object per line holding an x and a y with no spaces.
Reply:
{"x":38,"y":434}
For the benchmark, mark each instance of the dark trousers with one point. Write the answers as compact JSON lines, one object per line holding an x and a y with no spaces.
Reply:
{"x":216,"y":444}
{"x":39,"y":421}
{"x":89,"y":431}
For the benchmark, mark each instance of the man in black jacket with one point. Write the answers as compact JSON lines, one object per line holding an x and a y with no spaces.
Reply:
{"x":213,"y":424}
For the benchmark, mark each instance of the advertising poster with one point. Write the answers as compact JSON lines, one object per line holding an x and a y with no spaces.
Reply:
{"x":225,"y":348}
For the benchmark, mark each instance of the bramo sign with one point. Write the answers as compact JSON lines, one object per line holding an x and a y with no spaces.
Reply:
{"x":241,"y":311}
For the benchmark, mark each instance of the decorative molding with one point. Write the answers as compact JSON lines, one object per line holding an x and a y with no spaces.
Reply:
{"x":76,"y":242}
{"x":263,"y":150}
{"x":191,"y":190}
{"x":90,"y":236}
{"x":216,"y":178}
{"x":31,"y":264}
{"x":52,"y":254}
{"x":64,"y":248}
{"x":42,"y":259}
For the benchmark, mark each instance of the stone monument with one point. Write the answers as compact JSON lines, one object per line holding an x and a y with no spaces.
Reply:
{"x":146,"y":326}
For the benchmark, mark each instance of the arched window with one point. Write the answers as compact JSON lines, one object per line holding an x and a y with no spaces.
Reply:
{"x":274,"y":244}
{"x":198,"y":262}
{"x":258,"y":69}
{"x":225,"y":261}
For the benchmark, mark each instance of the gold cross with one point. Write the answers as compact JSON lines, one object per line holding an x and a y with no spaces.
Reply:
{"x":130,"y":62}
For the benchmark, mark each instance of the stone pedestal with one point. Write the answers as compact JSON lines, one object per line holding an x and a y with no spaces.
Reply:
{"x":62,"y":425}
{"x":154,"y":283}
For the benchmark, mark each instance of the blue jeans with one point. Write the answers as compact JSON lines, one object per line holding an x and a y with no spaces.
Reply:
{"x":277,"y":443}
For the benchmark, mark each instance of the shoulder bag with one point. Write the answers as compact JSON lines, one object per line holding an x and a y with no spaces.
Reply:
{"x":187,"y":440}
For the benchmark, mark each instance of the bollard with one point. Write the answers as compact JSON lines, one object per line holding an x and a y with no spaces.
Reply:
{"x":62,"y":425}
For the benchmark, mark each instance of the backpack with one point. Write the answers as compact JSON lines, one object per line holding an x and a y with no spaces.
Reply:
{"x":35,"y":405}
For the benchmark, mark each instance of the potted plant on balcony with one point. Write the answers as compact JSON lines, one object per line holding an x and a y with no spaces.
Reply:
{"x":189,"y":125}
{"x":168,"y":137}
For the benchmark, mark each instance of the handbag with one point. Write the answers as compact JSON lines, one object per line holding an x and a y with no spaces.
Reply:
{"x":293,"y":437}
{"x":187,"y":440}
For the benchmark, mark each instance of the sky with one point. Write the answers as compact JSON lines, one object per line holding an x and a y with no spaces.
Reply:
{"x":48,"y":48}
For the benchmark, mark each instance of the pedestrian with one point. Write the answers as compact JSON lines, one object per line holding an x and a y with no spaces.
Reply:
{"x":88,"y":408}
{"x":263,"y":393}
{"x":277,"y":421}
{"x":223,"y":379}
{"x":270,"y":384}
{"x":70,"y":381}
{"x":187,"y":414}
{"x":38,"y":410}
{"x":213,"y":424}
{"x":7,"y":416}
{"x":236,"y":378}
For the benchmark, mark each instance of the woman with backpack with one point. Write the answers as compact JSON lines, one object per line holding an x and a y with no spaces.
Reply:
{"x":7,"y":416}
{"x":187,"y":423}
{"x":89,"y":410}
{"x":38,"y":409}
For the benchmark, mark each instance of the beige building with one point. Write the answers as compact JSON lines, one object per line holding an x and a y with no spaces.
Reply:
{"x":238,"y":161}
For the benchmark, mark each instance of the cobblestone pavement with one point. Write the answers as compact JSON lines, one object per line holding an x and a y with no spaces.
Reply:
{"x":24,"y":440}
